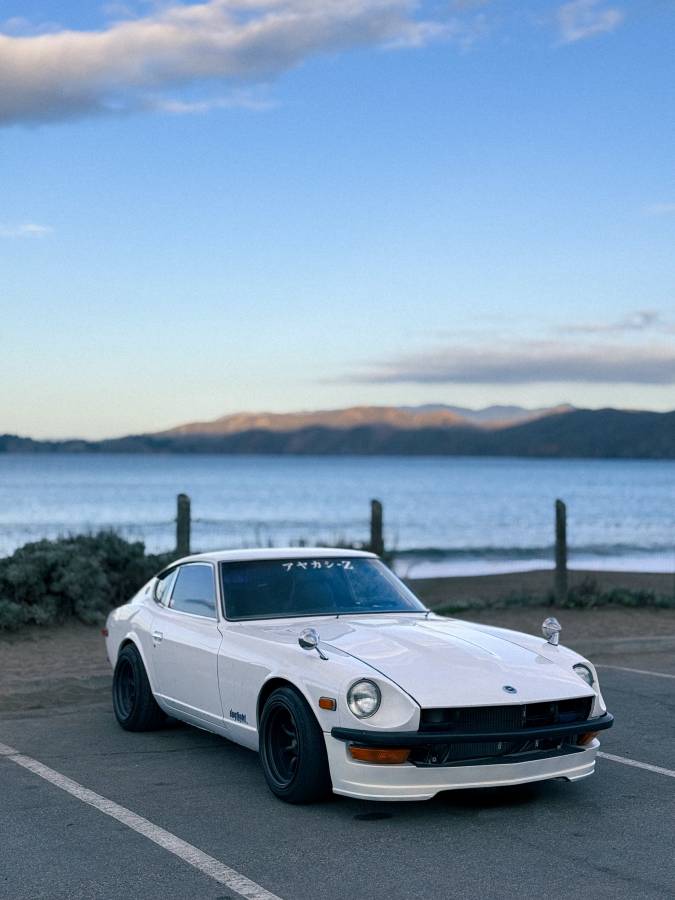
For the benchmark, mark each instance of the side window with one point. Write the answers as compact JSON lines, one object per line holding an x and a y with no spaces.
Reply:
{"x":163,"y":586}
{"x":195,"y":591}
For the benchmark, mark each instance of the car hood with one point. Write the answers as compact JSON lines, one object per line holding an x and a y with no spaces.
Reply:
{"x":446,"y":662}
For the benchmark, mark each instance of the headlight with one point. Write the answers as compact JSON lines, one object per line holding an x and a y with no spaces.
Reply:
{"x":585,"y":673}
{"x":363,"y":698}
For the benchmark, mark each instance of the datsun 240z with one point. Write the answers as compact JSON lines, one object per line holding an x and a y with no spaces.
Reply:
{"x":325,"y":663}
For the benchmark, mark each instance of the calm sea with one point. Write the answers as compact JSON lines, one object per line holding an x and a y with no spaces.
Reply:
{"x":444,"y":515}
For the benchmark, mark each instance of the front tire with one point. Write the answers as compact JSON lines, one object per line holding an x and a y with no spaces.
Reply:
{"x":134,"y":706}
{"x":292,"y":749}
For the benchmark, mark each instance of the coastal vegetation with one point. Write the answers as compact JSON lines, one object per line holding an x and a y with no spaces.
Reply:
{"x":81,"y":578}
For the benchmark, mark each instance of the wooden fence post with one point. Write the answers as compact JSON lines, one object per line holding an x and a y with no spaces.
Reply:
{"x":560,"y":552}
{"x":183,"y":525}
{"x":376,"y":536}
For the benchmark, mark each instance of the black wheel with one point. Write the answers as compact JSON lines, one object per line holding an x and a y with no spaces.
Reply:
{"x":134,"y":706}
{"x":292,"y":749}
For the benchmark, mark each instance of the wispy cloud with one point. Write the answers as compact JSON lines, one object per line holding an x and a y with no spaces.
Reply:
{"x":19,"y":25}
{"x":530,"y":362}
{"x":66,"y":74}
{"x":250,"y":100}
{"x":642,"y":320}
{"x":660,"y":209}
{"x":25,"y":230}
{"x":581,"y":19}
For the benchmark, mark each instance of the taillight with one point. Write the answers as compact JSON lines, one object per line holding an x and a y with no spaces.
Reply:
{"x":104,"y":632}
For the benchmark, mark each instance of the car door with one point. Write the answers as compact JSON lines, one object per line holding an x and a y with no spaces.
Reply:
{"x":185,"y":643}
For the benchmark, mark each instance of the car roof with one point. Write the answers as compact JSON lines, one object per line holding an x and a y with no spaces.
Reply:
{"x":246,"y":555}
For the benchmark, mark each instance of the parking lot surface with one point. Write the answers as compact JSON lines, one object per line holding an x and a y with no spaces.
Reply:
{"x":610,"y":836}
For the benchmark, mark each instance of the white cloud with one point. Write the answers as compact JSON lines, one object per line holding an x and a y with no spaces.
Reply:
{"x":581,"y":19}
{"x":68,"y":74}
{"x":26,"y":230}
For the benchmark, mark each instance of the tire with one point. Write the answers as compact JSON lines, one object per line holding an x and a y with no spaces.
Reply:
{"x":292,"y":749}
{"x":133,"y":703}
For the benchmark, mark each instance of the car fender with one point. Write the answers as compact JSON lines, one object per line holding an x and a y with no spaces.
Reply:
{"x":332,"y":679}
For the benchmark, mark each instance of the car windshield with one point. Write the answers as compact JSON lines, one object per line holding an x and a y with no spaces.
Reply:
{"x":322,"y":586}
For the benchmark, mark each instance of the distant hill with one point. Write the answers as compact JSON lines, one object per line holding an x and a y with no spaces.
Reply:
{"x":436,"y":415}
{"x":603,"y":433}
{"x":493,"y":416}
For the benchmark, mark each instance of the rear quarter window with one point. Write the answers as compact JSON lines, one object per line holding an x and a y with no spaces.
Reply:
{"x":195,"y":590}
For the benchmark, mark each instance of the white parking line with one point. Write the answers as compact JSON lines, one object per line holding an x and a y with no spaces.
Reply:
{"x":638,"y":765}
{"x":636,"y":671}
{"x":204,"y":863}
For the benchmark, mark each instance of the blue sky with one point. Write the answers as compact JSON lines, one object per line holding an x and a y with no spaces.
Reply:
{"x":285,"y":204}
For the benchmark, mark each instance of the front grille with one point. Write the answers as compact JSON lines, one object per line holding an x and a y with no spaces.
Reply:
{"x":514,"y":717}
{"x":487,"y":720}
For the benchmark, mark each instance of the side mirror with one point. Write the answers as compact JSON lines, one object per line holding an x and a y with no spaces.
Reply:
{"x":309,"y":640}
{"x":551,"y":629}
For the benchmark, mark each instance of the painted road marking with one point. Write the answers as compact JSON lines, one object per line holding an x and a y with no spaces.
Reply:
{"x":636,"y":671}
{"x":204,"y":863}
{"x":638,"y":765}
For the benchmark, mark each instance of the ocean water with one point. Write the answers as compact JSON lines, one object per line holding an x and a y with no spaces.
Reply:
{"x":442,"y":515}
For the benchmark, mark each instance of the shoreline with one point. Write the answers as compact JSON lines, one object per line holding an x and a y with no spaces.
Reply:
{"x":535,"y":585}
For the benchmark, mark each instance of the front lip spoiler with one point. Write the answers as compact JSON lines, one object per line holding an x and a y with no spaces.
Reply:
{"x":425,"y":738}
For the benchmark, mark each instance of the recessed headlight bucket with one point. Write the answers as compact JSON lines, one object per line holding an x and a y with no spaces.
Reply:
{"x":364,"y":698}
{"x":585,"y":673}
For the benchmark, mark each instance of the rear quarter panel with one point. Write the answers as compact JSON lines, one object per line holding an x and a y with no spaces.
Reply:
{"x":132,"y":622}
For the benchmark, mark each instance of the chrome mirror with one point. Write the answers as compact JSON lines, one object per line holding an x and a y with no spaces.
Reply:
{"x":309,"y":640}
{"x":551,"y":629}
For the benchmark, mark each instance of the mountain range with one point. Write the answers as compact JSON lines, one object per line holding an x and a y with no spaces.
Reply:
{"x":436,"y":415}
{"x":561,"y":431}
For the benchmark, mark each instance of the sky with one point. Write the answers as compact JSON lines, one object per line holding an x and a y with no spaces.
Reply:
{"x":248,"y":205}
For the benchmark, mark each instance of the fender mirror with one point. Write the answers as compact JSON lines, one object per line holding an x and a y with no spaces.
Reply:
{"x":309,"y":640}
{"x":551,"y":629}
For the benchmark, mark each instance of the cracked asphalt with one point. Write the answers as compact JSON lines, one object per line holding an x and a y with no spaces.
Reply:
{"x":610,"y":836}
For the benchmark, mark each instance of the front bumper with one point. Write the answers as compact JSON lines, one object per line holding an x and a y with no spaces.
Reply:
{"x":372,"y":738}
{"x":370,"y":781}
{"x":410,"y":781}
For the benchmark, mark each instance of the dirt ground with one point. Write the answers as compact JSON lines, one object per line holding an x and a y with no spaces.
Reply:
{"x":54,"y":666}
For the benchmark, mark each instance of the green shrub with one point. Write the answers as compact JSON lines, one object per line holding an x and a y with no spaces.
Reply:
{"x":588,"y":594}
{"x":80,"y":577}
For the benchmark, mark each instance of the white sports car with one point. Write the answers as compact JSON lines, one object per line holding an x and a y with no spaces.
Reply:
{"x":325,"y":663}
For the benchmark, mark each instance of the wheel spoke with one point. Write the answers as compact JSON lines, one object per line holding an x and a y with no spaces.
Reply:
{"x":283,"y":745}
{"x":125,"y":689}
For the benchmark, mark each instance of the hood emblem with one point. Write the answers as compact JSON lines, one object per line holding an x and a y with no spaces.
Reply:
{"x":509,"y":689}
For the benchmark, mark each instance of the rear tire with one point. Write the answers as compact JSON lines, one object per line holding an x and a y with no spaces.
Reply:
{"x":133,"y":703}
{"x":293,"y":750}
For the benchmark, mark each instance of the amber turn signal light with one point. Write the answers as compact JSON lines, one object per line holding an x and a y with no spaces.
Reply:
{"x":328,"y":703}
{"x":370,"y":754}
{"x":587,"y":738}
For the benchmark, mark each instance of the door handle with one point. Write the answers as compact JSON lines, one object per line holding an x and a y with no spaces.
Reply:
{"x":157,"y":637}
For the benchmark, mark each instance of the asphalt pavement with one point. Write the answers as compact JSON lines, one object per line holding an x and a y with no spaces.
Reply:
{"x":609,"y":836}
